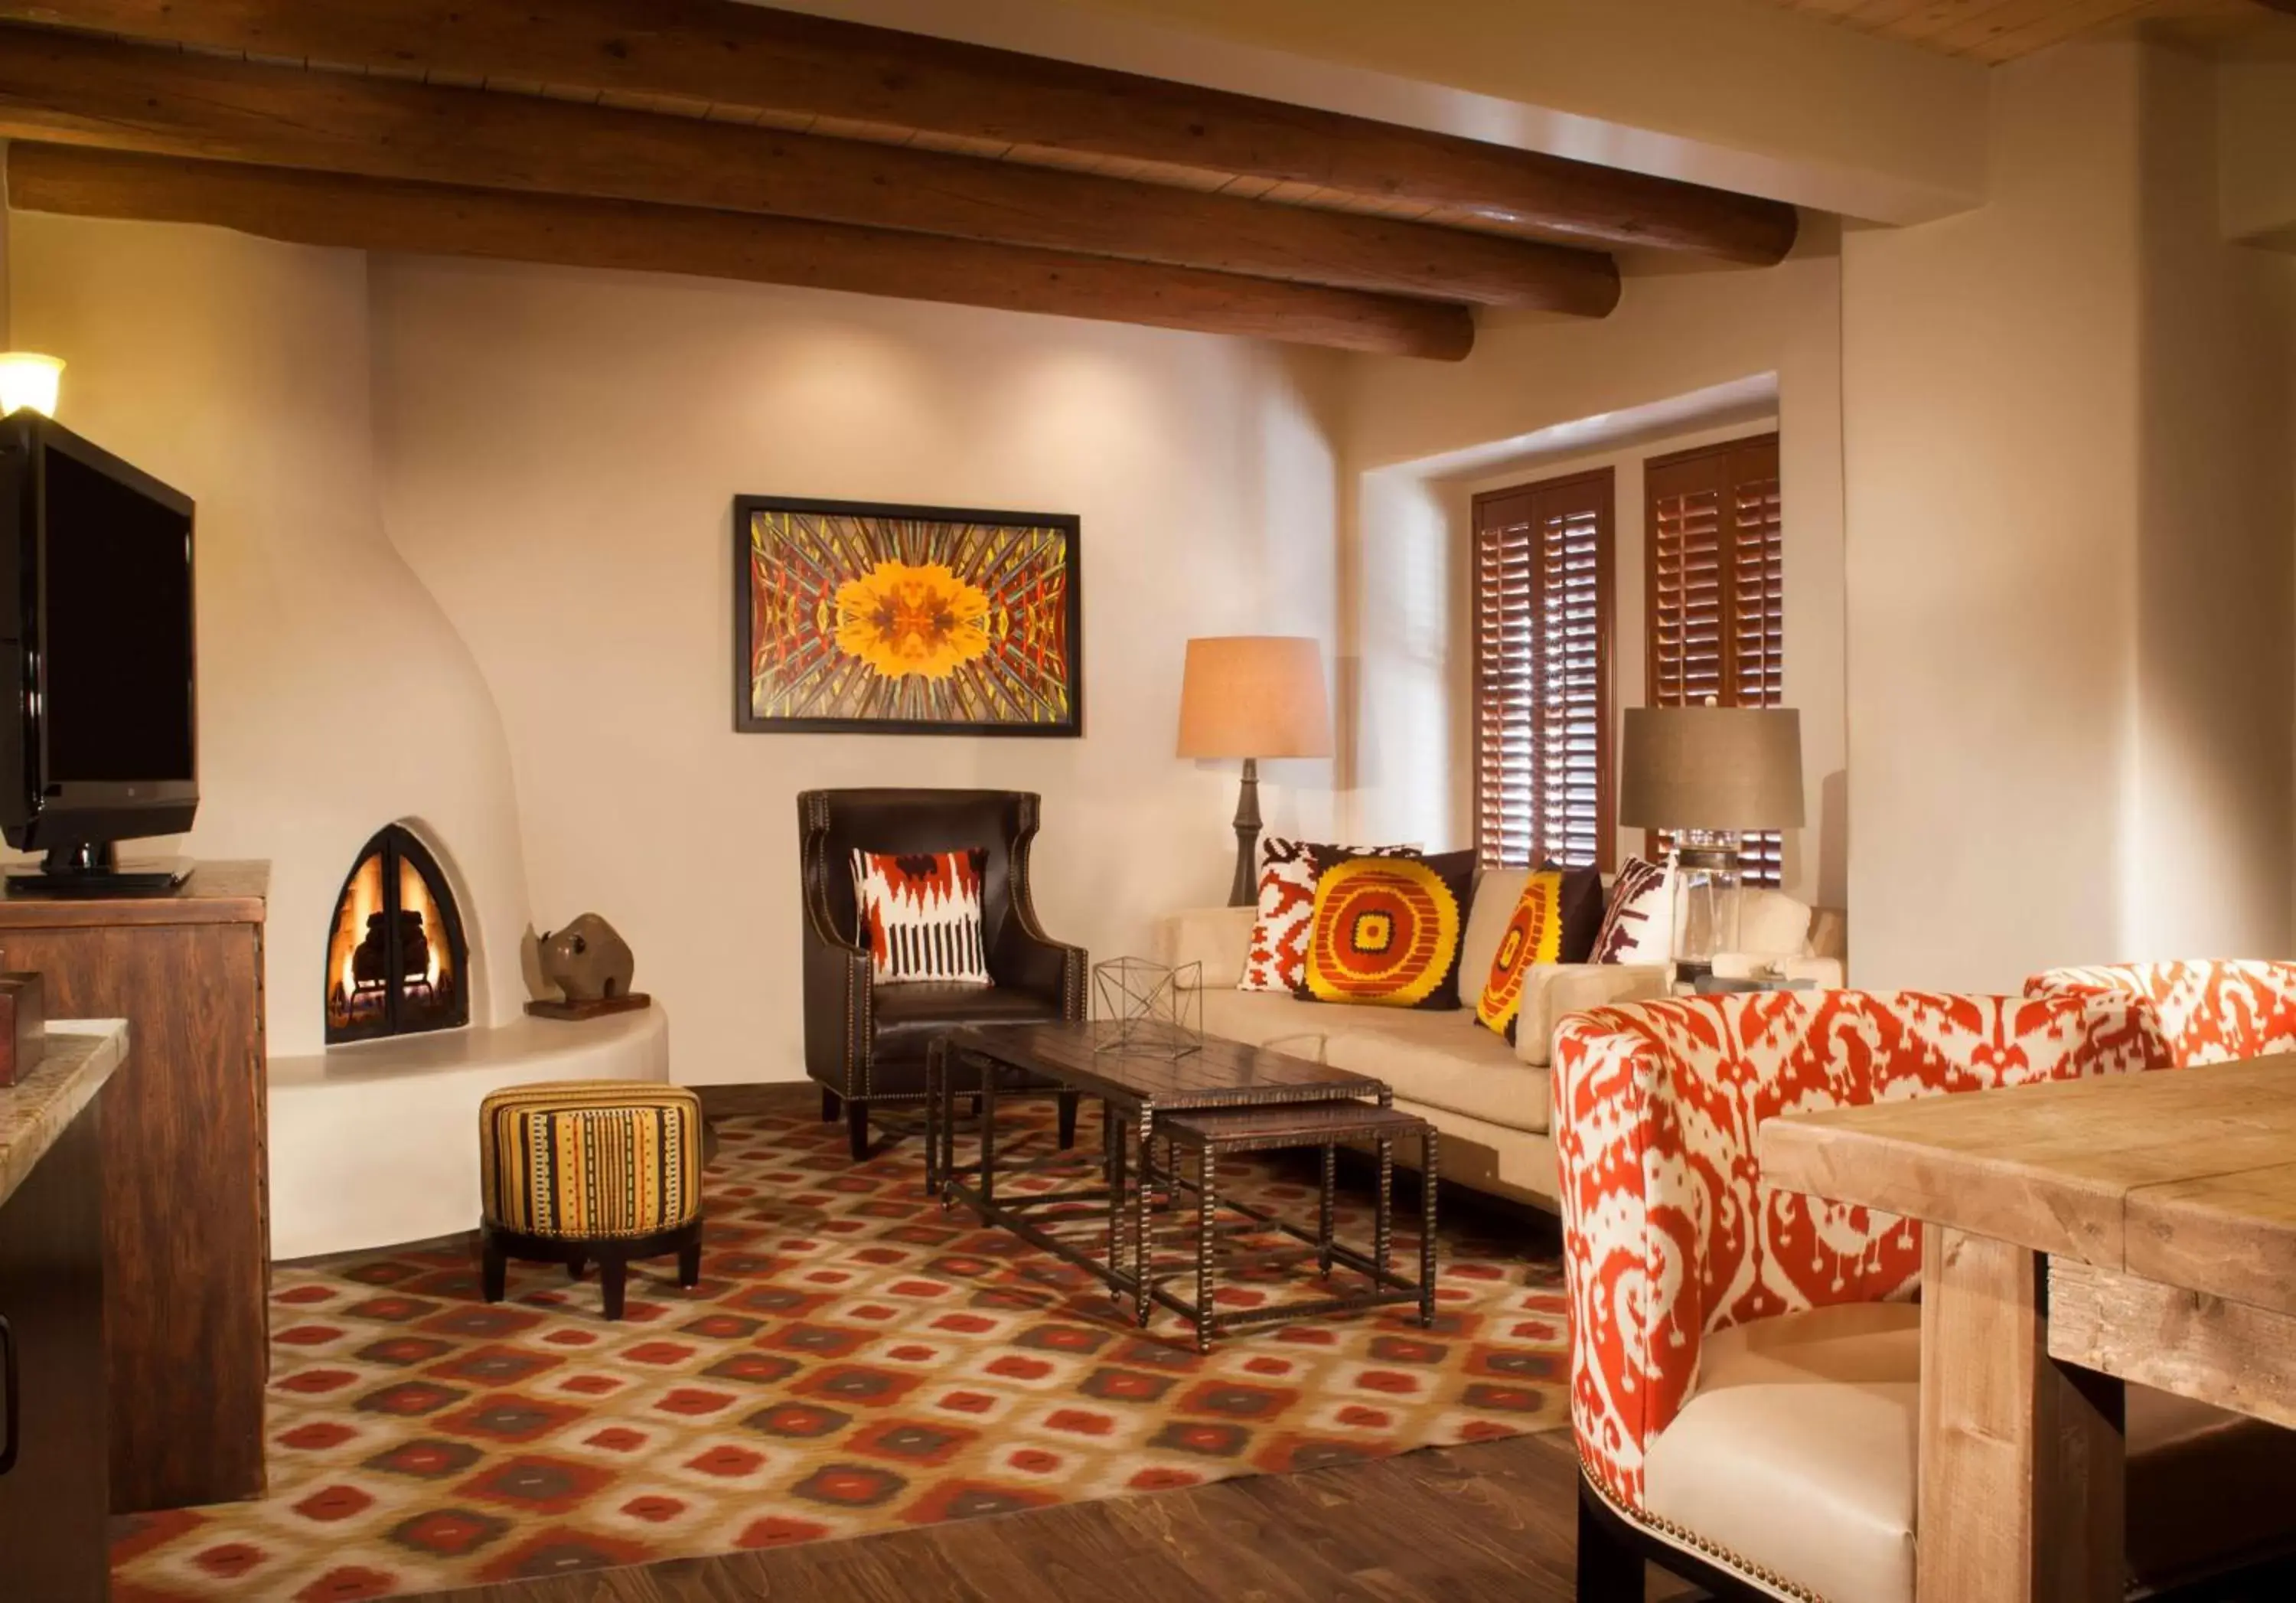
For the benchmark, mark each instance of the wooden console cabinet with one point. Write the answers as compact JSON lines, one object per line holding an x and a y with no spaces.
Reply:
{"x":54,"y":1506}
{"x":186,"y":1220}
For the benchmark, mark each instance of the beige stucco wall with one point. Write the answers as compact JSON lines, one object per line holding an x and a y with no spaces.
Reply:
{"x":334,"y":696}
{"x":1409,"y":637}
{"x":561,"y":451}
{"x":2068,"y":587}
{"x":2216,"y":732}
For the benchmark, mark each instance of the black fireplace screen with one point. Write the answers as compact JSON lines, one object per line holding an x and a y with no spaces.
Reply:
{"x":396,"y":957}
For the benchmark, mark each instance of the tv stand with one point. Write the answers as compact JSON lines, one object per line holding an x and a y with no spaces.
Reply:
{"x":92,"y":868}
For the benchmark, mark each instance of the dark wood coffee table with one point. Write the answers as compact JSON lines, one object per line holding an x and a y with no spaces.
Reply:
{"x":1134,"y":1088}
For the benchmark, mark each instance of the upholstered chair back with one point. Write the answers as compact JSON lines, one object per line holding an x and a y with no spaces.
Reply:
{"x":2206,"y":1010}
{"x":835,"y":823}
{"x":1669,"y":1233}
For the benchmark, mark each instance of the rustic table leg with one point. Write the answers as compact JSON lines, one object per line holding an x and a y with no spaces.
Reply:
{"x":1429,"y":1179}
{"x":1115,"y":1134}
{"x":1143,"y":1258}
{"x":985,"y":1102}
{"x":1207,"y":1176}
{"x":1383,"y":1222}
{"x":1324,"y":1209}
{"x":2021,"y":1469}
{"x":948,"y":1120}
{"x":934,"y":1062}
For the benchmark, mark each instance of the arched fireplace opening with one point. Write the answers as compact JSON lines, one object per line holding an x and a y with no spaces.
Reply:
{"x":396,"y":962}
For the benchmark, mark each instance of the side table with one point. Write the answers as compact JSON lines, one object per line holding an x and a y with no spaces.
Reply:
{"x":1212,"y":1133}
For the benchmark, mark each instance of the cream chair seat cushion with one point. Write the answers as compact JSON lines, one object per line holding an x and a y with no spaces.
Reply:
{"x":1798,"y":1452}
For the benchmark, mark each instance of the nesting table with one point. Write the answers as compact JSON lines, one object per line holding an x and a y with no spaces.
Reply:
{"x":1220,"y":1098}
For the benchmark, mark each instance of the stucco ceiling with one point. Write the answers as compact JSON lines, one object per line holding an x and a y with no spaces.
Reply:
{"x":2001,"y":31}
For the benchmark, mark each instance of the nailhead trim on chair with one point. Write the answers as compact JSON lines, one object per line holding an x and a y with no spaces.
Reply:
{"x":1712,"y":1552}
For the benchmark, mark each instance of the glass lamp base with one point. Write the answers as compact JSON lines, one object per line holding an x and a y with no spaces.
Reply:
{"x":1706,"y":879}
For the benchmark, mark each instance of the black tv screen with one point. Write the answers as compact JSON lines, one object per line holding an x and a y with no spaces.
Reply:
{"x":99,"y":725}
{"x":117,"y":634}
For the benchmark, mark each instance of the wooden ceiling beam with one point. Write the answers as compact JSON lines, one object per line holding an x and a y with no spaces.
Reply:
{"x":748,"y":59}
{"x":76,"y":89}
{"x":366,"y":214}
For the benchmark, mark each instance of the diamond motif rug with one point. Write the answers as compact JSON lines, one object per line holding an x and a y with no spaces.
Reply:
{"x":855,"y":1360}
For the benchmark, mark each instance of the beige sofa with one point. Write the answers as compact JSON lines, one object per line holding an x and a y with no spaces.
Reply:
{"x":1488,"y":1099}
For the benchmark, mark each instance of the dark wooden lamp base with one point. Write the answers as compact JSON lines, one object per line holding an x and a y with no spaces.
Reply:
{"x":497,"y":1245}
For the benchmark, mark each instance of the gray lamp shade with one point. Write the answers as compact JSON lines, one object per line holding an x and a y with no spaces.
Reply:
{"x":1712,"y":767}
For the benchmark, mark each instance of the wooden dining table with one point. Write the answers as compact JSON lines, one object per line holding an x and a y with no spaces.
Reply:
{"x":2080,"y":1234}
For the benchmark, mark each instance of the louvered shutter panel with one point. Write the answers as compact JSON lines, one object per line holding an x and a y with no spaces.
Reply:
{"x":1542,"y":620}
{"x":1715,"y":594}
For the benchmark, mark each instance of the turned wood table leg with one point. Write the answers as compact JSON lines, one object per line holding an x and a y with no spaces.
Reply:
{"x":1207,"y":1178}
{"x":2022,"y":1458}
{"x":1324,"y":1211}
{"x":1382,"y":1225}
{"x":1114,"y":1134}
{"x":1143,"y":1259}
{"x":1430,"y":1163}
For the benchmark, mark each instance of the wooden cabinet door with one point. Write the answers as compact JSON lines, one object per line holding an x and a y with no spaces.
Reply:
{"x":56,"y":1500}
{"x":187,"y":1256}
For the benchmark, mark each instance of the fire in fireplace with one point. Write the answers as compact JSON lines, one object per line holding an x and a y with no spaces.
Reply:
{"x":396,"y":960}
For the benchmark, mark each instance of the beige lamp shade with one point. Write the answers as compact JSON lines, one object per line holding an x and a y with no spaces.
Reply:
{"x":1254,"y":695}
{"x":1712,"y":767}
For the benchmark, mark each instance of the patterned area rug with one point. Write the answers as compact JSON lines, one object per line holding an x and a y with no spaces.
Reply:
{"x":855,"y":1360}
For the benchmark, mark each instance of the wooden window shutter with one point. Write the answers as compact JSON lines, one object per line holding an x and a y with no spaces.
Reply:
{"x":1715,"y":593}
{"x":1543,"y":781}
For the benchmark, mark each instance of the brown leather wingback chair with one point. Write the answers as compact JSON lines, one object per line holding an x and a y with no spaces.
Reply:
{"x":866,"y":1042}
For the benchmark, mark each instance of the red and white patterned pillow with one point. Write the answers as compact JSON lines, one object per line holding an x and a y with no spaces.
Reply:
{"x":1638,"y":926}
{"x":920,"y":912}
{"x":1278,"y":956}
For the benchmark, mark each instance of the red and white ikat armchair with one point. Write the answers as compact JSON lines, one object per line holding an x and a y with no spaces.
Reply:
{"x":1745,"y":1364}
{"x":2206,"y":1010}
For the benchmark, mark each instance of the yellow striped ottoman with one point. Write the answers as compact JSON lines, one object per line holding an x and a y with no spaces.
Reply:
{"x":582,"y":1169}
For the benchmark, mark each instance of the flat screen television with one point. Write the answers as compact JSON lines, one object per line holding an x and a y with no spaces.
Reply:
{"x":99,"y":729}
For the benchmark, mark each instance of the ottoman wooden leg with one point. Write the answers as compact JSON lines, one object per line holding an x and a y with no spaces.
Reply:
{"x":856,"y":1128}
{"x":493,"y":1269}
{"x":832,"y":1105}
{"x":577,"y":1266}
{"x":689,"y":1264}
{"x":613,"y":1273}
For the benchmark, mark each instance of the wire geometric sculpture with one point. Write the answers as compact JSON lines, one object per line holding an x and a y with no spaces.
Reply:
{"x":1149,"y":1008}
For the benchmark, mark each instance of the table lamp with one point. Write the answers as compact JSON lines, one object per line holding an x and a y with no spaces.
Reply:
{"x":1710,"y":775}
{"x":1253,"y":696}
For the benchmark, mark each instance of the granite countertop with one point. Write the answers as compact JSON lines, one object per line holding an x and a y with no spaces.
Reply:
{"x":81,"y":1056}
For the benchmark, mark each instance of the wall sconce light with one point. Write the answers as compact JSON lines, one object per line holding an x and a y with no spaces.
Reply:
{"x":30,"y":380}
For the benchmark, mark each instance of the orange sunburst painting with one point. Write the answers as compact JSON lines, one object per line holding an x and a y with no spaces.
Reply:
{"x":905,"y":619}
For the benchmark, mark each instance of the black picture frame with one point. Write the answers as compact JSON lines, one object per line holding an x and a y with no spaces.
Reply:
{"x":748,"y":721}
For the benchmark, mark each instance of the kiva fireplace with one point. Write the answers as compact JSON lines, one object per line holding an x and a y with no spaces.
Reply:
{"x":397,"y":964}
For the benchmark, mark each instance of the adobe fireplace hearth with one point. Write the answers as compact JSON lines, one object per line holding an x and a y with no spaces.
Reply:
{"x":397,"y":964}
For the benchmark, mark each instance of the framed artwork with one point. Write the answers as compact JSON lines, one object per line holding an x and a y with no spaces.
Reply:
{"x":855,"y":618}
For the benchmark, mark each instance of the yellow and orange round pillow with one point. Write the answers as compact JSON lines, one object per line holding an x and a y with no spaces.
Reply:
{"x":1533,"y":934}
{"x":1386,"y":930}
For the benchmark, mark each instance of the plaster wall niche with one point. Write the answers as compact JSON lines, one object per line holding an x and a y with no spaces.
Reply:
{"x":335,"y":696}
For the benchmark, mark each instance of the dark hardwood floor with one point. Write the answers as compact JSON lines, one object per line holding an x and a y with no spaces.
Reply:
{"x":1495,"y":1521}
